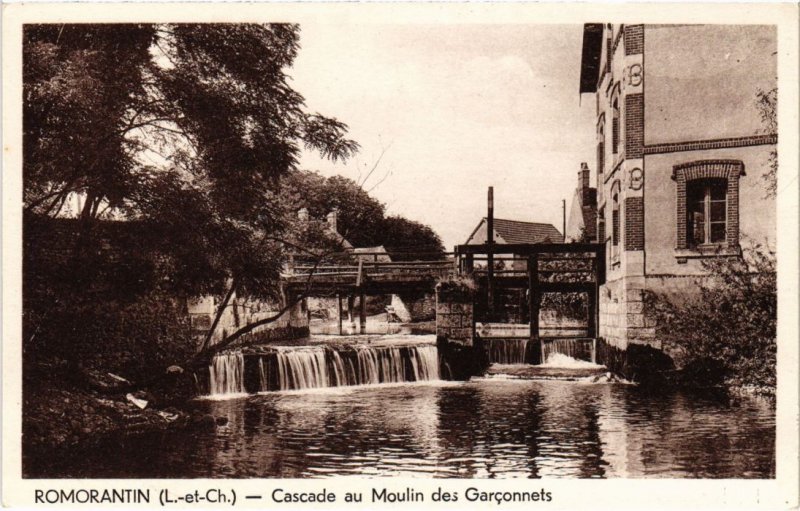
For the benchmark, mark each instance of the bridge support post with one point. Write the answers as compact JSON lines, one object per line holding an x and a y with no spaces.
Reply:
{"x":339,"y":311}
{"x":534,"y":299}
{"x":351,"y":317}
{"x":362,"y":311}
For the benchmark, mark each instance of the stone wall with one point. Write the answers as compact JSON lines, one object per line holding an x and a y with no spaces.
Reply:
{"x":622,"y":318}
{"x":241,"y":312}
{"x":455,"y":320}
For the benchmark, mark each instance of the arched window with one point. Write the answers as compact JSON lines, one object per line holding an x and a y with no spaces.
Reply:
{"x":601,"y":148}
{"x":708,"y":203}
{"x":615,"y":126}
{"x":615,"y":221}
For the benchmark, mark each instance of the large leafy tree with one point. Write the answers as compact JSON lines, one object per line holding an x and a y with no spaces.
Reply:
{"x":181,"y":130}
{"x":186,"y":127}
{"x":362,"y":219}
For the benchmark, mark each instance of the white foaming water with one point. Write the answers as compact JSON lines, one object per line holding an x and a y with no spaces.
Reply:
{"x":315,"y":367}
{"x":562,"y":361}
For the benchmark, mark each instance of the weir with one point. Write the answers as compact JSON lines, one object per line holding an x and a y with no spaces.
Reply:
{"x":309,"y":367}
{"x":227,"y":374}
{"x":507,"y":351}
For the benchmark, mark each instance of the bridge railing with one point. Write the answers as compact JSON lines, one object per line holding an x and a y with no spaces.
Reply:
{"x":373,"y":263}
{"x":374,"y":267}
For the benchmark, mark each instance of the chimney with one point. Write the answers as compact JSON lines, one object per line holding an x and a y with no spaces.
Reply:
{"x":303,"y":215}
{"x":332,"y":221}
{"x":583,"y":176}
{"x":583,"y":185}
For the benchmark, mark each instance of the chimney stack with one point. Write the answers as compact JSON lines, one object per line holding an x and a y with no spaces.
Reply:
{"x":333,"y":221}
{"x":583,"y":176}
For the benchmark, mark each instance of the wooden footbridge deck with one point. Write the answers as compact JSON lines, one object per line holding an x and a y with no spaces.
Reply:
{"x":371,"y":277}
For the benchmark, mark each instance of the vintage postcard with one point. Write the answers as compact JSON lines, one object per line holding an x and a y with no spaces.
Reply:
{"x":432,"y":255}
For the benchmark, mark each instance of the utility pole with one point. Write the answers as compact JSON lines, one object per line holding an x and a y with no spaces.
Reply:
{"x":490,"y":255}
{"x":563,"y":220}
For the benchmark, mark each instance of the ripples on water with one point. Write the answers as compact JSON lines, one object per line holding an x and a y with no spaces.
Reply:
{"x":443,"y":429}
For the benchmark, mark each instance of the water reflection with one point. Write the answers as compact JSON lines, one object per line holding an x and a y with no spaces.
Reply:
{"x":484,"y":428}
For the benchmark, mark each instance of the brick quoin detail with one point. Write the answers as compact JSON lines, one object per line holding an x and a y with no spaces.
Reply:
{"x":634,"y":223}
{"x":634,"y":39}
{"x":634,"y":125}
{"x":730,"y":170}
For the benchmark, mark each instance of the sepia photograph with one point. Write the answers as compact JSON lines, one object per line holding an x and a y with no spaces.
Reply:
{"x":282,"y":250}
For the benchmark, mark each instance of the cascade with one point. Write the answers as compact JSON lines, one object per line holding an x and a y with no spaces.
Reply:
{"x":227,"y":374}
{"x":308,"y":367}
{"x":507,"y":351}
{"x":579,"y":349}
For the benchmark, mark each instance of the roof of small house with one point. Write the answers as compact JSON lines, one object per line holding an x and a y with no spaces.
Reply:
{"x":516,"y":231}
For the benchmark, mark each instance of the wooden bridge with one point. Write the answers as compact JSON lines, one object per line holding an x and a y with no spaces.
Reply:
{"x":532,"y":269}
{"x":367,"y":273}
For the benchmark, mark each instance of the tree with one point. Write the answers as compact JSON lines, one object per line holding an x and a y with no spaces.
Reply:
{"x":183,"y":130}
{"x":407,"y":239}
{"x":359,"y":215}
{"x":767,"y":103}
{"x":362,"y":219}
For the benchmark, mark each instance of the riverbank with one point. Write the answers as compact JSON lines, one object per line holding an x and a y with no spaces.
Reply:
{"x":61,"y":412}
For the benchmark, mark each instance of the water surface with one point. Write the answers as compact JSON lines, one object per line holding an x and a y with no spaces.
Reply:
{"x":484,"y":428}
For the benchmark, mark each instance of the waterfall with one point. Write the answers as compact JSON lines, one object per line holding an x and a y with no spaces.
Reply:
{"x":227,"y":374}
{"x":302,"y":368}
{"x":579,"y":349}
{"x":309,"y":367}
{"x":264,"y":374}
{"x":507,"y":351}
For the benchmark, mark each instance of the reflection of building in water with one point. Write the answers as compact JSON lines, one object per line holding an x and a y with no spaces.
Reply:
{"x":622,"y":454}
{"x":568,"y":437}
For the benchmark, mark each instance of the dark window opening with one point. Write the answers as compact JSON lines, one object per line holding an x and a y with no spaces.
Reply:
{"x":706,"y":211}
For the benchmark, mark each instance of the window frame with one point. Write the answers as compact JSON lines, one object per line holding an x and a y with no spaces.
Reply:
{"x":705,"y":187}
{"x":685,"y":176}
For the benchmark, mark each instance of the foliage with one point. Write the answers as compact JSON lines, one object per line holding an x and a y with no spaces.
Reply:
{"x":362,"y":219}
{"x":400,"y":235}
{"x":453,"y":283}
{"x":767,"y":104}
{"x":187,"y":127}
{"x":727,"y":331}
{"x":175,"y":138}
{"x":359,"y":215}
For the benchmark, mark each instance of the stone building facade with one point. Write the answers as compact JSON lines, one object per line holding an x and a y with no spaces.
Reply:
{"x":681,"y":150}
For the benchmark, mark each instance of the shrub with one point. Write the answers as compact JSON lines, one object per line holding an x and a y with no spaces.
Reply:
{"x":725,"y":333}
{"x":457,"y":285}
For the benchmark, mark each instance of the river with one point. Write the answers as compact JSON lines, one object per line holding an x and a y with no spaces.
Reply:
{"x":485,"y":428}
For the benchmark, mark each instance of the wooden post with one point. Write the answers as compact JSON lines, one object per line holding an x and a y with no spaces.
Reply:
{"x":592,"y":306}
{"x":339,"y":311}
{"x":533,"y":307}
{"x":351,"y":317}
{"x":469,"y":263}
{"x":363,"y":310}
{"x":490,"y":256}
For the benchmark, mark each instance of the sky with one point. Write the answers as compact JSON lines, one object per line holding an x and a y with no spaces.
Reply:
{"x":453,"y":109}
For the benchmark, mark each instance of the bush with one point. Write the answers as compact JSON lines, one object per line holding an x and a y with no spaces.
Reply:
{"x":726,"y":333}
{"x":460,"y":287}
